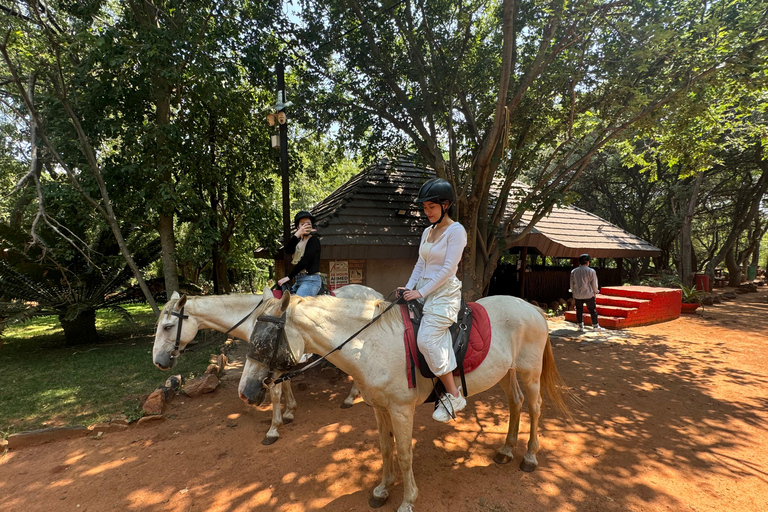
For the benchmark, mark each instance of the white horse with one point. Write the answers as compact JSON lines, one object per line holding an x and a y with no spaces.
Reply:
{"x":220,"y":313}
{"x":376,"y":360}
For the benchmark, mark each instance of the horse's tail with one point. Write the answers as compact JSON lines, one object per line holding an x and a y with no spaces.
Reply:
{"x":553,"y":383}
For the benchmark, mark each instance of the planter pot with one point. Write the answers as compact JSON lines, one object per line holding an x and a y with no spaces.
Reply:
{"x":689,"y":307}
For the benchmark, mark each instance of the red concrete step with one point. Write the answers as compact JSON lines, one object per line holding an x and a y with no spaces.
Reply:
{"x":609,"y":322}
{"x":611,"y":310}
{"x":624,"y":302}
{"x":626,"y":306}
{"x":637,"y":292}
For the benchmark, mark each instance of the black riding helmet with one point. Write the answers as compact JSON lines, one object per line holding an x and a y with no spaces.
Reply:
{"x":436,"y":190}
{"x":303,"y":215}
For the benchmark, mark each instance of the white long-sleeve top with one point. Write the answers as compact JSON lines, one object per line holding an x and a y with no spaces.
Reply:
{"x":583,"y":282}
{"x":439,"y":260}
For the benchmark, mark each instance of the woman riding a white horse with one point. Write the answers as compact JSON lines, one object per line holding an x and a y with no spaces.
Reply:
{"x":306,"y":257}
{"x":434,"y":282}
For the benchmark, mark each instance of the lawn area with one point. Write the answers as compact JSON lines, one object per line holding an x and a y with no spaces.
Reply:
{"x":45,"y":384}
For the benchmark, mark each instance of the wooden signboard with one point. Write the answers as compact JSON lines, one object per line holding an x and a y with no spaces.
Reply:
{"x":338,"y":274}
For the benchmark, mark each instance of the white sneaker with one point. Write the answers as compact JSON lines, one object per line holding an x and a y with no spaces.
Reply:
{"x":580,"y":328}
{"x":446,"y":402}
{"x":597,"y":328}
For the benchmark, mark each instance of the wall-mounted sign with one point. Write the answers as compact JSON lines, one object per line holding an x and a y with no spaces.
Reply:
{"x":338,"y":274}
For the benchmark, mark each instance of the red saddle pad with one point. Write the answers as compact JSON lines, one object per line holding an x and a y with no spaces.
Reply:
{"x":479,"y":341}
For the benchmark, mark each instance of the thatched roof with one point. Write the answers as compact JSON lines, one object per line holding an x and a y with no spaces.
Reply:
{"x":373,"y":216}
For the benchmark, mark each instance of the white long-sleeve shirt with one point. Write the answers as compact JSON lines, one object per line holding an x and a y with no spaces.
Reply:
{"x":438,"y":261}
{"x":583,"y":282}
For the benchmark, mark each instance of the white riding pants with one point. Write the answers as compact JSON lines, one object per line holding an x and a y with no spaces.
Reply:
{"x":441,"y":308}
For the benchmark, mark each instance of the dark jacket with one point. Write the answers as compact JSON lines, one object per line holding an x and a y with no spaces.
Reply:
{"x":311,"y":259}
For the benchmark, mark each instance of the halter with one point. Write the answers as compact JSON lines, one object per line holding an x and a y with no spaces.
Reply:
{"x":268,"y":382}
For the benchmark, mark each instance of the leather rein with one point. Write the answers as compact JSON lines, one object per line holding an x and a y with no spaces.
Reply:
{"x":269,"y":383}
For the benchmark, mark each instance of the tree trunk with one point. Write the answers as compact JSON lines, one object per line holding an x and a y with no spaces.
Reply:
{"x":81,"y":330}
{"x":687,"y":270}
{"x":168,"y":245}
{"x":35,"y":165}
{"x":166,"y":212}
{"x":748,"y":207}
{"x":734,"y":271}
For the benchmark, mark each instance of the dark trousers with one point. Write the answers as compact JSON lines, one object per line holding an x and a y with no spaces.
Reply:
{"x":591,"y":306}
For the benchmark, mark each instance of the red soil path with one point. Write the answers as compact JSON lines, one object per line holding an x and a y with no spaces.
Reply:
{"x":675,"y":417}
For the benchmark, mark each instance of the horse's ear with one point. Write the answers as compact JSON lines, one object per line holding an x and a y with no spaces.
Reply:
{"x":182,"y":301}
{"x":267,"y":293}
{"x":286,"y":300}
{"x":175,"y":296}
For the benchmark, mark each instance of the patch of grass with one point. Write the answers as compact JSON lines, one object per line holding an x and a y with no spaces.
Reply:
{"x":44,"y":383}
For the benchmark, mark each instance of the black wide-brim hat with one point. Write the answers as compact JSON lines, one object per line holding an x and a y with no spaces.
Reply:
{"x":303,"y":215}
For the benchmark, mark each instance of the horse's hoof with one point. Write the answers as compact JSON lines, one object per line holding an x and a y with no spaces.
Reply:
{"x":269,"y":440}
{"x":527,"y":466}
{"x":287,"y":421}
{"x":375,"y":502}
{"x":345,"y":405}
{"x":500,"y":458}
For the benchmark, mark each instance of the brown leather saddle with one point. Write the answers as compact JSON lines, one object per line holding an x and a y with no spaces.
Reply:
{"x":460,"y":331}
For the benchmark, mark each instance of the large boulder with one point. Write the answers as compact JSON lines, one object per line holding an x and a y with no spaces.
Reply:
{"x":200,"y":385}
{"x":155,"y":403}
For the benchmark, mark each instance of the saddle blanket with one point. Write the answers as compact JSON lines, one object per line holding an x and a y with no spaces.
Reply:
{"x":477,"y":349}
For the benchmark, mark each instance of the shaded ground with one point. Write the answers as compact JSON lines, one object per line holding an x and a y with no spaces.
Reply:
{"x":675,"y":418}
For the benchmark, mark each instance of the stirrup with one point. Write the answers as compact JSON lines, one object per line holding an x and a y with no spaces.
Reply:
{"x":441,"y":401}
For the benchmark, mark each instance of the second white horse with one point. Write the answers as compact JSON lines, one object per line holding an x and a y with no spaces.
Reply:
{"x":220,"y":313}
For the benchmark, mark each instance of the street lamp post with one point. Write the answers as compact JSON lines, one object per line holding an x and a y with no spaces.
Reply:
{"x":280,"y":106}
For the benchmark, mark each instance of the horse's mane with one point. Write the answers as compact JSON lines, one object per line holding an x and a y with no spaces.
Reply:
{"x":171,"y":304}
{"x":392,"y":319}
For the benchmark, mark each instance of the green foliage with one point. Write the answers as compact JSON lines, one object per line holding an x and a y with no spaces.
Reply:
{"x":691,"y":295}
{"x":662,"y":280}
{"x":169,"y":95}
{"x":37,"y":283}
{"x":48,"y":384}
{"x":434,"y":77}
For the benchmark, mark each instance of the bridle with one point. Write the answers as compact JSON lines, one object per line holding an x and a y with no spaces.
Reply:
{"x":181,"y":316}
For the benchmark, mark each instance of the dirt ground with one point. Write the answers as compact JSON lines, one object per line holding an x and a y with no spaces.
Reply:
{"x":675,"y":417}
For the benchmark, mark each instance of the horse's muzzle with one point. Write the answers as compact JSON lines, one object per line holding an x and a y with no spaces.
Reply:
{"x":165,"y":361}
{"x":253,"y":394}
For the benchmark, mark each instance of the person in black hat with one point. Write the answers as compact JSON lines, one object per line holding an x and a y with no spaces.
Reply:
{"x":434,"y":282}
{"x":306,"y":257}
{"x":584,"y":288}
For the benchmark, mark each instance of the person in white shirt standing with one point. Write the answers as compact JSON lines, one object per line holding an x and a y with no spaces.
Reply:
{"x":584,"y":288}
{"x":434,"y":282}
